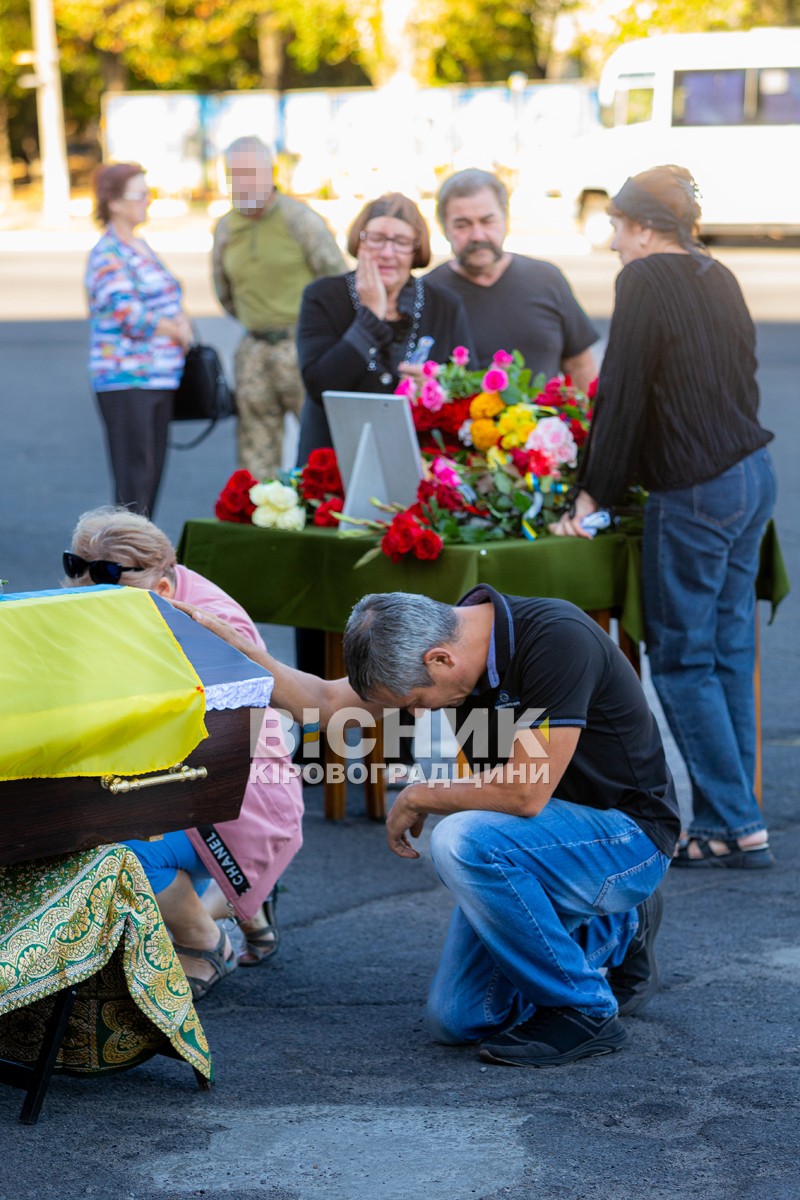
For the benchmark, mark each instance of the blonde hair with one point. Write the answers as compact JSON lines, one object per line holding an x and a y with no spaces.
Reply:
{"x":119,"y":535}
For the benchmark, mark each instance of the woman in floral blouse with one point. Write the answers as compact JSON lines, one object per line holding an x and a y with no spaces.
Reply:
{"x":139,"y":337}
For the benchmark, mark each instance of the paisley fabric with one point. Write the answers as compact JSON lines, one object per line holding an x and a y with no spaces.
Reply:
{"x":91,"y":919}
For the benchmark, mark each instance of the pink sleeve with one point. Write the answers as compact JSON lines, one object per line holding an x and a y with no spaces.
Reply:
{"x":196,"y":589}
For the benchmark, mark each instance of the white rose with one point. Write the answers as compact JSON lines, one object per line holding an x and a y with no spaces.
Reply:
{"x":275,"y":494}
{"x":293,"y":519}
{"x":264,"y":516}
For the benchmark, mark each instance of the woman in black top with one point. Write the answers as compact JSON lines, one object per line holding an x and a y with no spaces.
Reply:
{"x":359,"y":332}
{"x":676,"y":412}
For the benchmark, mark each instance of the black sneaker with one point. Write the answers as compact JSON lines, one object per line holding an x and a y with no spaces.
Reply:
{"x":635,"y":981}
{"x":554,"y":1036}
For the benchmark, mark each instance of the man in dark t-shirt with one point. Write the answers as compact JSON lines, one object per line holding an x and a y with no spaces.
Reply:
{"x":556,"y":843}
{"x":513,"y":302}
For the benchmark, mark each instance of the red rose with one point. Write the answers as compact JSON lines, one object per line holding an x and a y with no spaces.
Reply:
{"x":234,"y":503}
{"x":446,"y":497}
{"x":591,"y":391}
{"x":552,"y":395}
{"x":320,"y":476}
{"x":406,"y":531}
{"x":323,"y":459}
{"x":577,"y":431}
{"x":323,"y":515}
{"x":389,"y":546}
{"x":428,"y":545}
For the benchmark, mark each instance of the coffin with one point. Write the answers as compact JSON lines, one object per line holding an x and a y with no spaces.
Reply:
{"x":40,"y":817}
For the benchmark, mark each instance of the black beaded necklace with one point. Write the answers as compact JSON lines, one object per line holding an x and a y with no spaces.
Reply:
{"x":416,"y":313}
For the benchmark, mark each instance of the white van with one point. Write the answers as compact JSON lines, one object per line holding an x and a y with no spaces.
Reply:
{"x":725,"y":105}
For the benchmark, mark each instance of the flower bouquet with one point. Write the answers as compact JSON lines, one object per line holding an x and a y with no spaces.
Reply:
{"x":287,"y":502}
{"x":500,"y":451}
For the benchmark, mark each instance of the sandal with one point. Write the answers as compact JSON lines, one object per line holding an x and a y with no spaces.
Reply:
{"x":734,"y":856}
{"x":263,"y":943}
{"x":222,"y":966}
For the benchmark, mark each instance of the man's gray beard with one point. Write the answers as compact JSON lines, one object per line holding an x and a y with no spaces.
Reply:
{"x":246,"y":205}
{"x":463,"y":258}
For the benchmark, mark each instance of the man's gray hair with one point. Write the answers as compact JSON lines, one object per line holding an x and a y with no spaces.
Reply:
{"x":249,"y":145}
{"x":467,"y":183}
{"x":388,"y":635}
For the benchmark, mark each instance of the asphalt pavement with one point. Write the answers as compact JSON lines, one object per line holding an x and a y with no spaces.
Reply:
{"x":326,"y":1085}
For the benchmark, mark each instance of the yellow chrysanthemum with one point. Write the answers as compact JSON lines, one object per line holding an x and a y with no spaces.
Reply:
{"x":497,"y":458}
{"x":485,"y":405}
{"x":514,"y":425}
{"x":484,"y":434}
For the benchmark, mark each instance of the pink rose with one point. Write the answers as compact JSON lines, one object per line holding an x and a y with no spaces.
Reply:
{"x":494,"y":380}
{"x":502,"y":359}
{"x":431,"y":397}
{"x":552,"y":437}
{"x":460,"y":356}
{"x":406,"y":388}
{"x":445,"y":471}
{"x":430,"y":369}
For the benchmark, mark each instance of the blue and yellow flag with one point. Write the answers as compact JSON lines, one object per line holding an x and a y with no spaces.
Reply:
{"x":93,"y":682}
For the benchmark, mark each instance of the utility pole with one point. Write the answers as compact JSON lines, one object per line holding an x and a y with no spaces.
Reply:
{"x":50,"y":112}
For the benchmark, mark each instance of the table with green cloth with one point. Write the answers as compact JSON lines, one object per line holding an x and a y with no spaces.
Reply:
{"x":91,"y":919}
{"x":310,"y":579}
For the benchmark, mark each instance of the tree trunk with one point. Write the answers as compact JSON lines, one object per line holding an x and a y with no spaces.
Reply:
{"x":270,"y":52}
{"x":6,"y":187}
{"x":114,"y":72}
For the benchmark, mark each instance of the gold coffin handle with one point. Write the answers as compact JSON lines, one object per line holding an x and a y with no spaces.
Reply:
{"x":179,"y":774}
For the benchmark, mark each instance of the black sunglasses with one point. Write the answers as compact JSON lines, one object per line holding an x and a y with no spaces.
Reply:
{"x":100,"y":571}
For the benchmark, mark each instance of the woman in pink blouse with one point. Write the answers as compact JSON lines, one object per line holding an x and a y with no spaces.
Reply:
{"x":139,"y":337}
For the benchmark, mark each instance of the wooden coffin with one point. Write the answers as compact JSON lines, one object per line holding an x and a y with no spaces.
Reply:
{"x":43,"y":817}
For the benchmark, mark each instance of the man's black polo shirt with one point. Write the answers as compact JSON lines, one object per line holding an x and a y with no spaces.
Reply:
{"x":548,"y":655}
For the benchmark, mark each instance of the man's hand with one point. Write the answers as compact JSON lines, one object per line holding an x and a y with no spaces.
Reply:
{"x":221,"y":628}
{"x":404,"y":819}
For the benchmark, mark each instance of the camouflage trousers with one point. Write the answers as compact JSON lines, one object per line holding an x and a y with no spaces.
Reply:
{"x":268,"y":385}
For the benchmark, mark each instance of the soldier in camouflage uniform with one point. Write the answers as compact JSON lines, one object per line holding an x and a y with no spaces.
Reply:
{"x":266,"y":249}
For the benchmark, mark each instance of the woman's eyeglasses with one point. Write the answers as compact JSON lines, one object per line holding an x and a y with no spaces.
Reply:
{"x":376,"y":241}
{"x":100,"y":571}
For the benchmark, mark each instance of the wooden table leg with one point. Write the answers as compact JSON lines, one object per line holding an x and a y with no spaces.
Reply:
{"x":375,"y":783}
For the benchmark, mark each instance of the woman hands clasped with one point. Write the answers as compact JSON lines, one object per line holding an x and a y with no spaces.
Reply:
{"x":178,"y":329}
{"x":571,"y":524}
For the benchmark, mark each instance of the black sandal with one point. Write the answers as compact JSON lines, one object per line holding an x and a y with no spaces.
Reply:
{"x":734,"y":856}
{"x":222,"y":966}
{"x":263,"y":943}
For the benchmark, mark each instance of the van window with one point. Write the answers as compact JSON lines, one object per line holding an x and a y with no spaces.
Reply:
{"x":709,"y":98}
{"x":633,"y":101}
{"x":778,"y":96}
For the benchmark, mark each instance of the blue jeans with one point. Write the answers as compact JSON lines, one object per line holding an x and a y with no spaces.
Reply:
{"x":543,"y":903}
{"x":699,"y":566}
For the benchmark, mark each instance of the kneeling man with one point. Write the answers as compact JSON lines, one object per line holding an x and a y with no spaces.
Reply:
{"x":555,"y":846}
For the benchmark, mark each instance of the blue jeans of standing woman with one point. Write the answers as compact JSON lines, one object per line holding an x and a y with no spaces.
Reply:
{"x":543,"y":903}
{"x":700,"y":561}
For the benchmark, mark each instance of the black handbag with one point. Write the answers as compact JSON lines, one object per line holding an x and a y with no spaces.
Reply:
{"x":204,"y":393}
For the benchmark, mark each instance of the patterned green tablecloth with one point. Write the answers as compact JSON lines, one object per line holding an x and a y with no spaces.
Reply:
{"x":310,"y":579}
{"x":91,"y":919}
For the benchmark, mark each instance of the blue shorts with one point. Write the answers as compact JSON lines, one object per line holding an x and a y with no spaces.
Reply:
{"x":163,"y":859}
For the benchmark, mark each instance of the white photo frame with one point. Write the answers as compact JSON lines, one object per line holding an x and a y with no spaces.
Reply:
{"x":376,"y":448}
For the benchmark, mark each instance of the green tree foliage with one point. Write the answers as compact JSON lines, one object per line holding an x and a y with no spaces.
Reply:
{"x":485,"y":39}
{"x":645,"y":17}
